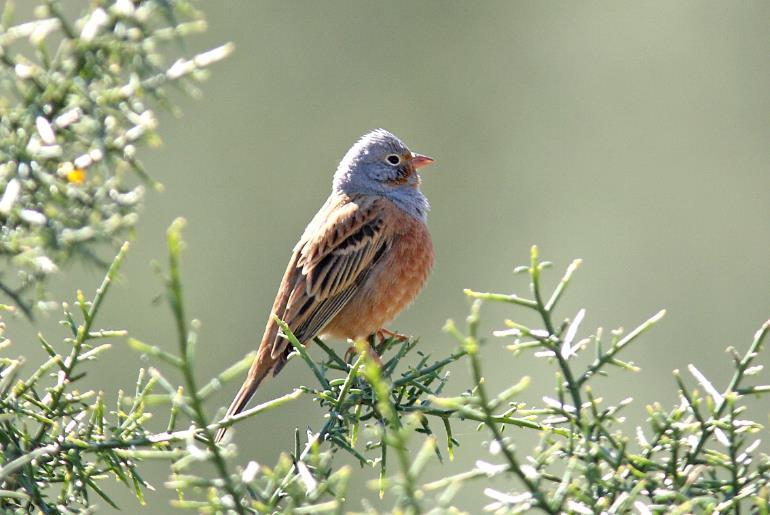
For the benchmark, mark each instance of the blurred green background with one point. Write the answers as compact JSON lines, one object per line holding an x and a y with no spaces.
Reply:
{"x":634,"y":135}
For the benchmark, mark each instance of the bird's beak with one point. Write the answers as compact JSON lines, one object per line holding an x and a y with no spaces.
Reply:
{"x":419,"y":160}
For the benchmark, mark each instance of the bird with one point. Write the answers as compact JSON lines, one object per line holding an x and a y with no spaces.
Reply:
{"x":361,"y":260}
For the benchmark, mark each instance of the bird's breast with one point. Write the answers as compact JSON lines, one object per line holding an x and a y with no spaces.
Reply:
{"x":392,"y":284}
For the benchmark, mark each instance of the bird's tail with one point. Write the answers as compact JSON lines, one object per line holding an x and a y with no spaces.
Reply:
{"x":260,"y":368}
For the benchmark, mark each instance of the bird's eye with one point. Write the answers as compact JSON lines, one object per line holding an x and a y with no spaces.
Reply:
{"x":393,"y":159}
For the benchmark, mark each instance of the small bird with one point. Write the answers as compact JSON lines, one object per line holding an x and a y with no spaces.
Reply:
{"x":362,"y":258}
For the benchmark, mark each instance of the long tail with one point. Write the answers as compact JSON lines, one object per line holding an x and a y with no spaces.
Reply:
{"x":260,"y":368}
{"x":269,"y":356}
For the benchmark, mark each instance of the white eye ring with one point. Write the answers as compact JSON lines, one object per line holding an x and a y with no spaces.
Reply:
{"x":393,"y":159}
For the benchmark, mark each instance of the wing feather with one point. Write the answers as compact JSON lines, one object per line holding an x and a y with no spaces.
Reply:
{"x":330,"y":267}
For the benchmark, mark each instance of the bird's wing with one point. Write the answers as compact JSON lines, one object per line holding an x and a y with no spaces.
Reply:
{"x":329,"y":265}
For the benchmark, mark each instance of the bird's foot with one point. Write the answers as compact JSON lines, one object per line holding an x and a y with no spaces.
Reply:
{"x":385,"y":334}
{"x":369,"y":350}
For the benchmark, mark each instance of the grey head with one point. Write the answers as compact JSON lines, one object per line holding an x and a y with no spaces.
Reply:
{"x":380,"y":164}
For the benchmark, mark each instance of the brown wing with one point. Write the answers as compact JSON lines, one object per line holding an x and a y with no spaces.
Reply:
{"x":330,"y":264}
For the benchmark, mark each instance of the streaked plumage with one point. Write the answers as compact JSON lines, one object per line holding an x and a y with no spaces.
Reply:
{"x":360,"y":261}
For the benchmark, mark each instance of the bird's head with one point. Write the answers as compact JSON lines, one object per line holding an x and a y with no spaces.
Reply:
{"x":379,"y":163}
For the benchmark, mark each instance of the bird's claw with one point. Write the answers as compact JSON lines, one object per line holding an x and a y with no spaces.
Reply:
{"x":384,"y":334}
{"x":369,"y":350}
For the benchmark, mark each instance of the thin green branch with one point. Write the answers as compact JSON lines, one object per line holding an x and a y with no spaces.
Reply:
{"x":302,"y":352}
{"x":176,"y":301}
{"x":82,"y":335}
{"x":552,"y":341}
{"x":608,"y":356}
{"x":471,"y":349}
{"x":732,"y":387}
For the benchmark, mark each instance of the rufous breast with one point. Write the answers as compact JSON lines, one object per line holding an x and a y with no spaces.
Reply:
{"x":394,"y":281}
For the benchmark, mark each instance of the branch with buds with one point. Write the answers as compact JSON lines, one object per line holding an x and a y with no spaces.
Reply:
{"x":59,"y":443}
{"x":77,"y":99}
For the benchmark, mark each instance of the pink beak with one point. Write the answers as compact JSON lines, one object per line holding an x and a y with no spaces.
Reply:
{"x":419,"y":160}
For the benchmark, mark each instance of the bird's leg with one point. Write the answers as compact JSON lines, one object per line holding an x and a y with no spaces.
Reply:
{"x":373,"y":353}
{"x":349,"y":354}
{"x":369,"y":350}
{"x":375,"y":344}
{"x":384,"y":339}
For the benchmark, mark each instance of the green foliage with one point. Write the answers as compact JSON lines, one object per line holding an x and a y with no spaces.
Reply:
{"x":59,"y":443}
{"x":74,"y":97}
{"x":695,"y":456}
{"x":75,"y":101}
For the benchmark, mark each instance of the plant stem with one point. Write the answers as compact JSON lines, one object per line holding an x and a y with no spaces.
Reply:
{"x":489,"y":421}
{"x":82,"y":334}
{"x":553,"y":338}
{"x":754,"y":348}
{"x":183,"y":337}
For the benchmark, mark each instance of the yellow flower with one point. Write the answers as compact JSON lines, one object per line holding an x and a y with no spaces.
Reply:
{"x":77,"y":176}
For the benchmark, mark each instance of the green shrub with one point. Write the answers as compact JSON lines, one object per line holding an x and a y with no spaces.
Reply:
{"x":60,"y":443}
{"x":74,"y":97}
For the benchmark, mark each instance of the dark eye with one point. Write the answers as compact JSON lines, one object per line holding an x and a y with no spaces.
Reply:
{"x":393,"y":159}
